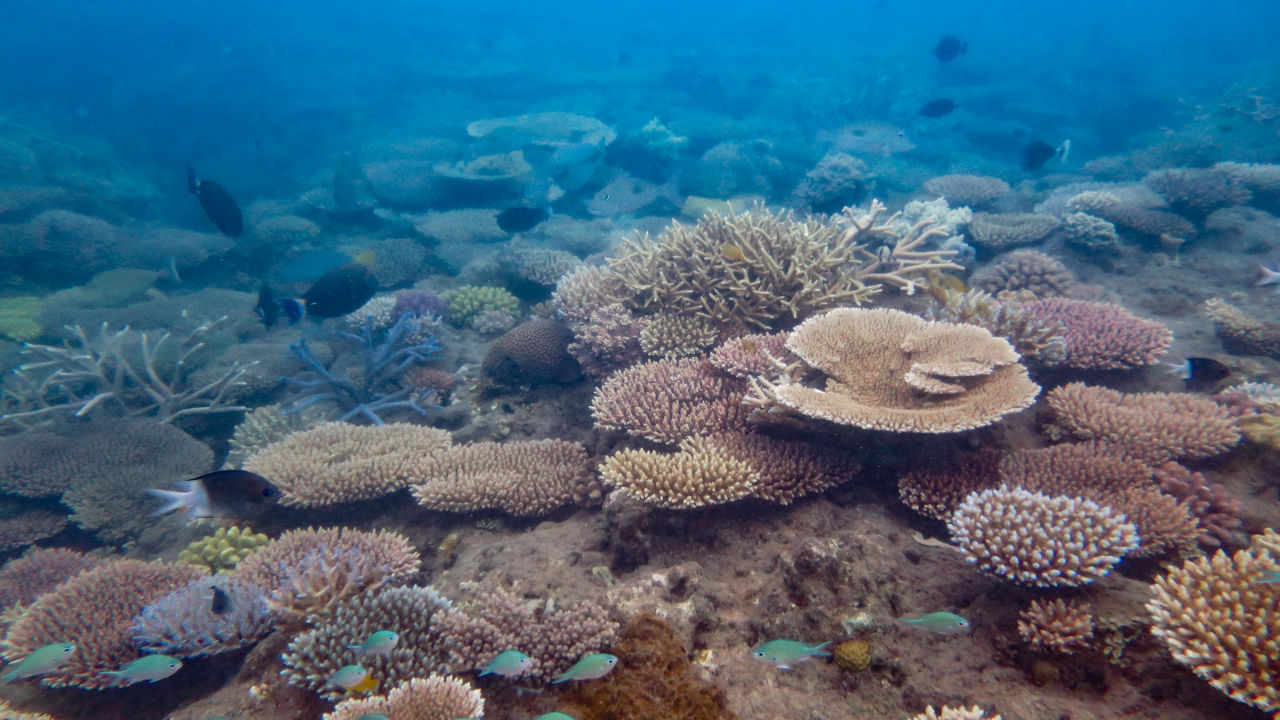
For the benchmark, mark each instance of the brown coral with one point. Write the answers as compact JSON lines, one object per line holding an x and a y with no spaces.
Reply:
{"x":339,"y":462}
{"x":434,"y":697}
{"x":1217,"y":615}
{"x":762,"y":354}
{"x":1243,"y":333}
{"x":532,"y":353}
{"x":1000,"y":231}
{"x":1035,"y":539}
{"x":936,"y":492}
{"x":1153,"y":427}
{"x":1030,"y":270}
{"x":1102,"y":336}
{"x":949,"y":713}
{"x":668,"y":400}
{"x":702,"y":473}
{"x":1214,"y":507}
{"x":971,"y":190}
{"x":888,"y":370}
{"x":525,"y":478}
{"x":1056,"y":626}
{"x":40,"y":570}
{"x":1038,"y":341}
{"x":670,"y":335}
{"x":95,"y":611}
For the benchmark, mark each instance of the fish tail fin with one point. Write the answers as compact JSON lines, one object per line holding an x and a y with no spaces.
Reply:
{"x":1064,"y":150}
{"x":490,"y":672}
{"x":818,"y":649}
{"x":670,"y":190}
{"x":193,"y":186}
{"x":187,"y":495}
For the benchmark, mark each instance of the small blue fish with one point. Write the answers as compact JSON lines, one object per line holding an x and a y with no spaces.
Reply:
{"x":348,"y":676}
{"x":1269,"y":277}
{"x":783,"y":654}
{"x":378,"y":643}
{"x":595,"y":665}
{"x":554,"y":716}
{"x":151,"y":668}
{"x":508,"y":663}
{"x":1269,"y":577}
{"x":943,"y":623}
{"x":41,"y":661}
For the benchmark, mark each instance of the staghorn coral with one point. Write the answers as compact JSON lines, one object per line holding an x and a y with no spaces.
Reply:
{"x":183,"y":623}
{"x":1101,"y":336}
{"x":337,"y":462}
{"x":1243,"y":333}
{"x":465,"y":302}
{"x":38,"y":571}
{"x":534,"y":352}
{"x":1218,"y":512}
{"x":1056,"y":626}
{"x":949,"y":713}
{"x":1152,"y":427}
{"x":971,"y":190}
{"x":434,"y":697}
{"x":222,"y":550}
{"x":668,"y":400}
{"x":1035,"y":539}
{"x":553,"y":637}
{"x":749,"y":270}
{"x":1217,"y":618}
{"x":315,"y":655}
{"x":1196,"y":192}
{"x":888,"y":370}
{"x":1000,"y":231}
{"x":308,"y":571}
{"x":1038,"y":341}
{"x":527,"y":478}
{"x":1029,"y":270}
{"x":670,"y":336}
{"x":1088,"y":233}
{"x":95,"y":611}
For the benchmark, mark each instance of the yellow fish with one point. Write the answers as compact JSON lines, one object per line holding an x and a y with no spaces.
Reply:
{"x":732,"y":252}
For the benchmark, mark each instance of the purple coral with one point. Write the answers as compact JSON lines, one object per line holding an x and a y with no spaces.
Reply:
{"x":419,"y":303}
{"x":186,"y":622}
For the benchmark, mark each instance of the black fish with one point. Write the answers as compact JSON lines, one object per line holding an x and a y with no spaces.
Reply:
{"x":221,"y":602}
{"x":938,"y":108}
{"x":268,"y":307}
{"x":949,"y":48}
{"x":520,"y":218}
{"x":218,"y":204}
{"x":1036,"y":153}
{"x":1200,"y":372}
{"x":223,"y":494}
{"x":340,"y":291}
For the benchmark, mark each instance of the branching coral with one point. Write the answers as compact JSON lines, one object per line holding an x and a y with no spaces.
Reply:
{"x":1217,"y":615}
{"x":1038,"y":341}
{"x":40,"y":570}
{"x":434,"y":697}
{"x":337,"y":462}
{"x":315,"y":655}
{"x":95,"y":611}
{"x":525,"y":478}
{"x":888,"y":370}
{"x":1101,"y":336}
{"x":1243,"y":333}
{"x":1056,"y":626}
{"x":129,"y":372}
{"x":668,"y":400}
{"x":1029,"y":270}
{"x":1036,"y":539}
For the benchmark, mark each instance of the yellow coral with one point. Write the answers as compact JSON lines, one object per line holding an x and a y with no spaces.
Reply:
{"x":1261,"y":429}
{"x":468,"y":301}
{"x":224,"y":549}
{"x":18,"y":317}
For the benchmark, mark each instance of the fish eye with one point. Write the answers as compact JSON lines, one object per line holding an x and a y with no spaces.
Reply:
{"x":606,"y":196}
{"x":266,"y":492}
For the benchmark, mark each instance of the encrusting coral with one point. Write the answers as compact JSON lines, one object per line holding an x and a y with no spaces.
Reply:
{"x":525,"y":478}
{"x":434,"y":697}
{"x":338,"y":462}
{"x":1217,"y":615}
{"x":1035,"y":539}
{"x":224,"y":549}
{"x":888,"y":370}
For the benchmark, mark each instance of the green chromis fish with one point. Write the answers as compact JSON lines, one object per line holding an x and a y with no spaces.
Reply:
{"x":372,"y":716}
{"x":44,"y":660}
{"x":508,"y":663}
{"x":1269,"y":577}
{"x":943,"y":623}
{"x":554,"y":716}
{"x":379,"y":643}
{"x":348,"y":676}
{"x":595,"y":665}
{"x":783,"y":654}
{"x":151,"y":668}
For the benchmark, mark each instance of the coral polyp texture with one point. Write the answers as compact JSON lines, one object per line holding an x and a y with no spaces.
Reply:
{"x":183,"y":623}
{"x":668,"y":400}
{"x":434,"y":697}
{"x":224,"y":549}
{"x":40,"y":570}
{"x":1001,"y":231}
{"x":971,"y":190}
{"x":1152,"y":427}
{"x":1101,"y":336}
{"x":1056,"y":626}
{"x":701,"y":473}
{"x":1217,"y":616}
{"x":1026,"y":270}
{"x":94,"y":610}
{"x":1039,"y":342}
{"x":1241,"y":332}
{"x":526,"y":478}
{"x":307,"y":571}
{"x":339,"y":462}
{"x":889,"y":370}
{"x":1035,"y":539}
{"x":315,"y":655}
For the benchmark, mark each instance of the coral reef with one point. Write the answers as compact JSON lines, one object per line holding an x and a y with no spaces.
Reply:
{"x":1089,"y":234}
{"x":467,"y":301}
{"x":889,"y":370}
{"x":949,"y":713}
{"x":755,"y":354}
{"x":839,"y":180}
{"x":308,"y":571}
{"x":1029,"y":270}
{"x":38,"y":571}
{"x":1039,"y":342}
{"x":18,"y":317}
{"x":1101,"y":336}
{"x":533,"y":352}
{"x":608,"y":340}
{"x":1218,"y":619}
{"x":1217,"y":511}
{"x":1001,"y":231}
{"x":971,"y":190}
{"x":184,"y":623}
{"x":1056,"y":626}
{"x":585,"y":290}
{"x":1169,"y":229}
{"x":1242,"y":333}
{"x":1196,"y":192}
{"x":337,"y":462}
{"x":95,"y":611}
{"x":670,"y":336}
{"x":1035,"y":539}
{"x":224,"y":549}
{"x":553,"y":637}
{"x":315,"y":655}
{"x":263,"y":426}
{"x":434,"y":697}
{"x":525,"y":478}
{"x":668,"y":400}
{"x":1153,"y":427}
